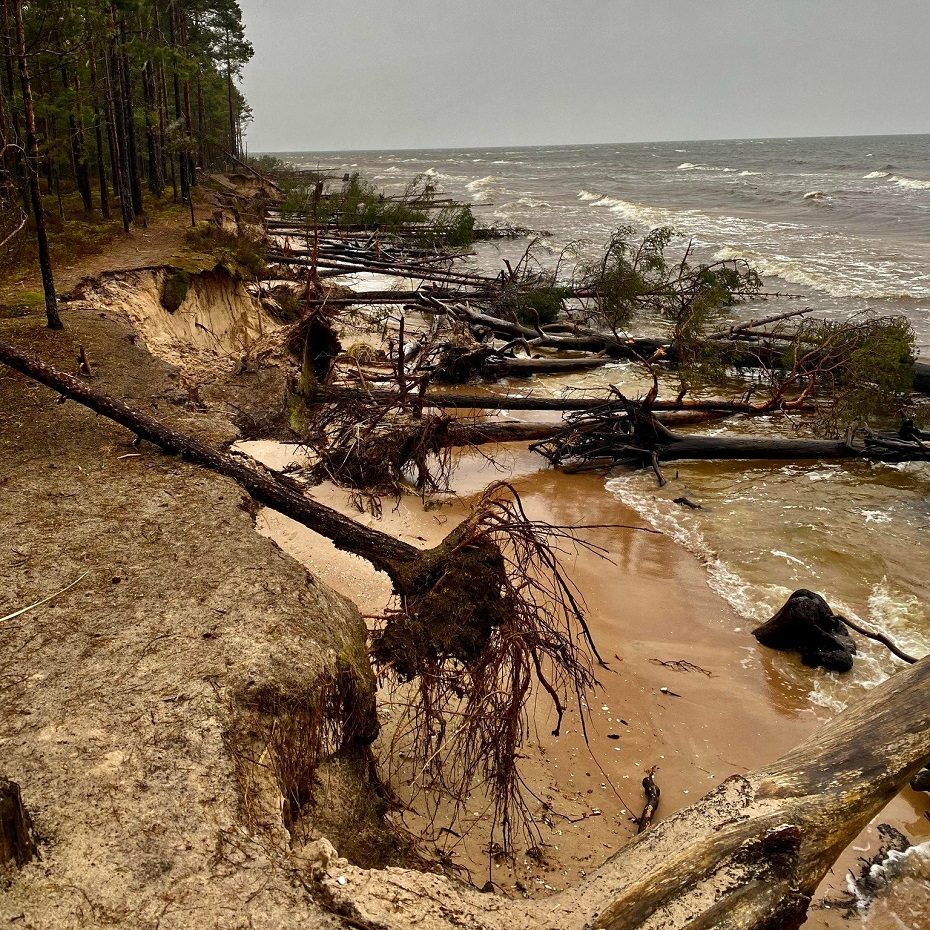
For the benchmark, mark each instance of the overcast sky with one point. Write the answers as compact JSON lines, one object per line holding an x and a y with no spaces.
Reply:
{"x":388,"y":74}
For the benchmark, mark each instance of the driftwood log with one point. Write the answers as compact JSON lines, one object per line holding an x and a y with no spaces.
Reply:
{"x":747,"y":856}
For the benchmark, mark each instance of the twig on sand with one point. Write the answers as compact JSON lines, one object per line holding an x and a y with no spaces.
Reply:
{"x":45,"y":600}
{"x":651,"y":789}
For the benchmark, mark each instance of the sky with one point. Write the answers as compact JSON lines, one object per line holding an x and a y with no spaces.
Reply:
{"x":408,"y":74}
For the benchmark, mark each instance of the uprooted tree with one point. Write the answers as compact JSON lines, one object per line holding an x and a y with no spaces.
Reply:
{"x":479,"y":620}
{"x":844,"y":382}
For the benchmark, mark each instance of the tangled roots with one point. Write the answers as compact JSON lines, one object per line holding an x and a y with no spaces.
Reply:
{"x":380,"y":452}
{"x":463,"y":667}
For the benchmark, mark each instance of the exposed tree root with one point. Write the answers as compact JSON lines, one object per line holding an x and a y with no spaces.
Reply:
{"x":479,"y":617}
{"x":476,"y":661}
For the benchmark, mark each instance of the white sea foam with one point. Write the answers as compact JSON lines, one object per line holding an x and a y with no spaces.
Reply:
{"x":813,"y":195}
{"x":479,"y":186}
{"x":588,"y":196}
{"x":690,"y":166}
{"x":756,"y":602}
{"x":876,"y":174}
{"x":902,"y":907}
{"x":899,"y":614}
{"x":911,"y":183}
{"x":833,"y":275}
{"x":788,"y":558}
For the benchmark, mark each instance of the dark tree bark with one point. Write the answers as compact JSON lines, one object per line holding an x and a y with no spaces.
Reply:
{"x":98,"y":139}
{"x":152,"y":138}
{"x":17,"y":842}
{"x":183,"y":173}
{"x":32,"y":151}
{"x":77,"y":146}
{"x":384,"y":551}
{"x":118,"y":143}
{"x":807,"y":625}
{"x":132,"y":157}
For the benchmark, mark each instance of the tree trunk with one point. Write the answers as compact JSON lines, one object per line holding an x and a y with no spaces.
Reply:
{"x":382,"y":550}
{"x":98,"y":138}
{"x":178,"y":112}
{"x":152,"y":137}
{"x":77,"y":144}
{"x":132,"y":154}
{"x":32,"y":150}
{"x":525,"y":367}
{"x":17,"y":843}
{"x":233,"y":139}
{"x":747,"y":856}
{"x":629,"y":435}
{"x":117,"y":142}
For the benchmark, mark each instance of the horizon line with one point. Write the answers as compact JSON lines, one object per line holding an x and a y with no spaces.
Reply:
{"x":536,"y":145}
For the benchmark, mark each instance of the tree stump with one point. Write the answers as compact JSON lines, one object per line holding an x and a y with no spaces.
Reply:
{"x":807,"y":625}
{"x":17,"y":843}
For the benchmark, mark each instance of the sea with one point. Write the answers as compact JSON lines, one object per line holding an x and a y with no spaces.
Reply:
{"x":841,"y":225}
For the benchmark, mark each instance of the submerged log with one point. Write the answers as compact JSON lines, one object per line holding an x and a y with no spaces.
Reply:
{"x":17,"y":841}
{"x":524,"y":367}
{"x":806,"y":624}
{"x":627,"y":433}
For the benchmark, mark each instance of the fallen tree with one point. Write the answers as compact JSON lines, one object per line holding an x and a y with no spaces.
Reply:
{"x":480,"y":619}
{"x":747,"y":856}
{"x":627,"y":433}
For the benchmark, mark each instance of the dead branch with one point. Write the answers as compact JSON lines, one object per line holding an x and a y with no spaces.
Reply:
{"x":651,"y":789}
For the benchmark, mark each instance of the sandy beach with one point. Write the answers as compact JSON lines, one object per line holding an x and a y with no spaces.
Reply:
{"x":733,"y":707}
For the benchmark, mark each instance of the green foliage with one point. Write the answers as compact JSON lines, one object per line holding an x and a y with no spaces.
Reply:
{"x":864,"y":366}
{"x":629,"y":279}
{"x":359,"y":203}
{"x":454,"y":226}
{"x":536,"y":301}
{"x":635,"y":279}
{"x":265,"y":164}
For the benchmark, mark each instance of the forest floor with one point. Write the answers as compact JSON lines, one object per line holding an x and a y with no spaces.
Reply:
{"x":86,"y":248}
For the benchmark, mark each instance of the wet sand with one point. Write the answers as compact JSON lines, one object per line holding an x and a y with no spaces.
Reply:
{"x":738,"y":708}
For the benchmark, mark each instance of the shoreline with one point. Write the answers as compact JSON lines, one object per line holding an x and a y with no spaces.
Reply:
{"x":652,"y":603}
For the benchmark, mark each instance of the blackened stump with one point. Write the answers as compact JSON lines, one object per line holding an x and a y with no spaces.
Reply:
{"x":806,"y":624}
